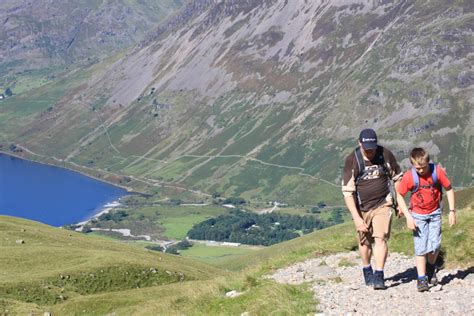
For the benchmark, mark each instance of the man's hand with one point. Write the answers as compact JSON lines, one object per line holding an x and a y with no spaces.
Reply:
{"x":360,"y":225}
{"x":452,"y":218}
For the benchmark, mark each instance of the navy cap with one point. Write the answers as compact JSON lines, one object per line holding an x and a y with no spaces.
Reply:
{"x":368,"y":138}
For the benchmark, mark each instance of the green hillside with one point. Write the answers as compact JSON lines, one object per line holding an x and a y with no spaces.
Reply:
{"x":64,"y":272}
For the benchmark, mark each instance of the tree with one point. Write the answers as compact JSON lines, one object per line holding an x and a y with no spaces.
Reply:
{"x":315,"y":210}
{"x":155,"y":248}
{"x":8,"y":92}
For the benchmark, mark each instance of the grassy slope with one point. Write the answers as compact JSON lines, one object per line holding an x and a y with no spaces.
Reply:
{"x":49,"y":252}
{"x":92,"y":264}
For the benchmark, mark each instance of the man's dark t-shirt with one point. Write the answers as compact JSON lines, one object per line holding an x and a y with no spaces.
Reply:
{"x":372,"y":190}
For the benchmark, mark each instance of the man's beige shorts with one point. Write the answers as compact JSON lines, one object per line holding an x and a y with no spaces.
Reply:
{"x":378,"y":220}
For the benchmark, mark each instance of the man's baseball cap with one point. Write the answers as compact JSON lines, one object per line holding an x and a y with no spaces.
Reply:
{"x":368,"y":138}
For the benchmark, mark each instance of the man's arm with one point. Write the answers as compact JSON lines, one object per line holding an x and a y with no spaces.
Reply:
{"x":349,"y":191}
{"x":359,"y":223}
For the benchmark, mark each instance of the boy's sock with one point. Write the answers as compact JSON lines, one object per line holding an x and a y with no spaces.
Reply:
{"x":422,"y":283}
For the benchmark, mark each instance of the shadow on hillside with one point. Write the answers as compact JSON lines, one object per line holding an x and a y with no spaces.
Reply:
{"x":410,"y":275}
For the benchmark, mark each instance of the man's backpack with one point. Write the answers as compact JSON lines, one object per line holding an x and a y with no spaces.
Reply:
{"x":416,"y":178}
{"x":385,"y":169}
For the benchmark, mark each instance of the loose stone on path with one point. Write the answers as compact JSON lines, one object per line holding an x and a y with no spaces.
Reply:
{"x":337,"y":283}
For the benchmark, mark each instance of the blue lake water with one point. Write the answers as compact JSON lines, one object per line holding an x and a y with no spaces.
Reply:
{"x":51,"y":195}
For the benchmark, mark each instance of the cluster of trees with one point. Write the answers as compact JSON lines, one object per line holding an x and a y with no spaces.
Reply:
{"x":8,"y":92}
{"x":116,"y":217}
{"x":234,"y":201}
{"x":182,"y":245}
{"x":254,"y":229}
{"x":174,"y":249}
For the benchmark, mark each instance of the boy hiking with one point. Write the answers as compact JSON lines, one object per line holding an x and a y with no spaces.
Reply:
{"x":365,"y":184}
{"x":424,"y":181}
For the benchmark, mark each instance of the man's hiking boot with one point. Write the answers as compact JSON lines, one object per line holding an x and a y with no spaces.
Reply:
{"x":431,"y":274}
{"x":379,"y":282}
{"x":422,"y":284}
{"x":368,"y":276}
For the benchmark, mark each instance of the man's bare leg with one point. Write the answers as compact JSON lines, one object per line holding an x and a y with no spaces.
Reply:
{"x":380,"y":253}
{"x":365,"y":253}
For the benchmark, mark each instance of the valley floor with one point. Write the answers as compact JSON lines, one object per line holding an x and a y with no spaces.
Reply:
{"x":337,"y":283}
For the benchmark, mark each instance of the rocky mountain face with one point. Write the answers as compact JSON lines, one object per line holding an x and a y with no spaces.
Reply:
{"x":263,"y":99}
{"x":48,"y":33}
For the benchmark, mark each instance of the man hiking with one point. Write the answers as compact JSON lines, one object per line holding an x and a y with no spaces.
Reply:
{"x":366,"y":188}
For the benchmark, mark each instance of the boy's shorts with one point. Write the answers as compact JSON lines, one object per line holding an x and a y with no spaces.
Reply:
{"x":427,"y":236}
{"x":378,"y":220}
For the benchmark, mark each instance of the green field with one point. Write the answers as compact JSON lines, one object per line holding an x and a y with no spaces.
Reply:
{"x":158,"y":219}
{"x":216,"y":254}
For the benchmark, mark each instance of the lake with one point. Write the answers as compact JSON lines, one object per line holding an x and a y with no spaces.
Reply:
{"x":51,"y":195}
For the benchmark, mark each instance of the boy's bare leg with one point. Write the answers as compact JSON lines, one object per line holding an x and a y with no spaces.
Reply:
{"x":432,"y":256}
{"x":421,"y":264}
{"x":365,"y":253}
{"x":380,"y":253}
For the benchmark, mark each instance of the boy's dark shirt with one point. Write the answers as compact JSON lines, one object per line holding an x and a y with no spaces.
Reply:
{"x":373,"y":190}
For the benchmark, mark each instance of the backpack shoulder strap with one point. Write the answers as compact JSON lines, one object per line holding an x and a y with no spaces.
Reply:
{"x":360,"y":163}
{"x":416,"y":180}
{"x":434,"y":174}
{"x":385,"y":165}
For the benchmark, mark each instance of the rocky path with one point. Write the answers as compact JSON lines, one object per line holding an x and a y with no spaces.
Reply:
{"x":337,"y":283}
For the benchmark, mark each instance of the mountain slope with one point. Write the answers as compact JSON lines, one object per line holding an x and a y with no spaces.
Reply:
{"x":38,"y":39}
{"x":263,"y":99}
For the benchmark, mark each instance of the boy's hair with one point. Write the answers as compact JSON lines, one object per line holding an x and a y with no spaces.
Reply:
{"x":419,"y":156}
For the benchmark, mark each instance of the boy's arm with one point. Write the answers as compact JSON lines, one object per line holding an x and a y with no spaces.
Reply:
{"x":402,"y":207}
{"x":449,"y":193}
{"x":452,"y":209}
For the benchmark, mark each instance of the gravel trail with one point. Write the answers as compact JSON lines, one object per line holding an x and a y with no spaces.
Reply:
{"x":338,"y":286}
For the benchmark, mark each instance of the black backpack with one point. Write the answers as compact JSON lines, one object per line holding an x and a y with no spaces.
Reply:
{"x":384,"y":167}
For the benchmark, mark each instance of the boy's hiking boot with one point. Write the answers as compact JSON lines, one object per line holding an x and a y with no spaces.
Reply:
{"x":379,"y":282}
{"x":368,"y":276}
{"x":422,"y":284}
{"x":431,"y":274}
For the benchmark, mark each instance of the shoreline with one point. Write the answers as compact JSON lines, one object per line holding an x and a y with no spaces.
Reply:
{"x":129,"y":190}
{"x":103,"y":210}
